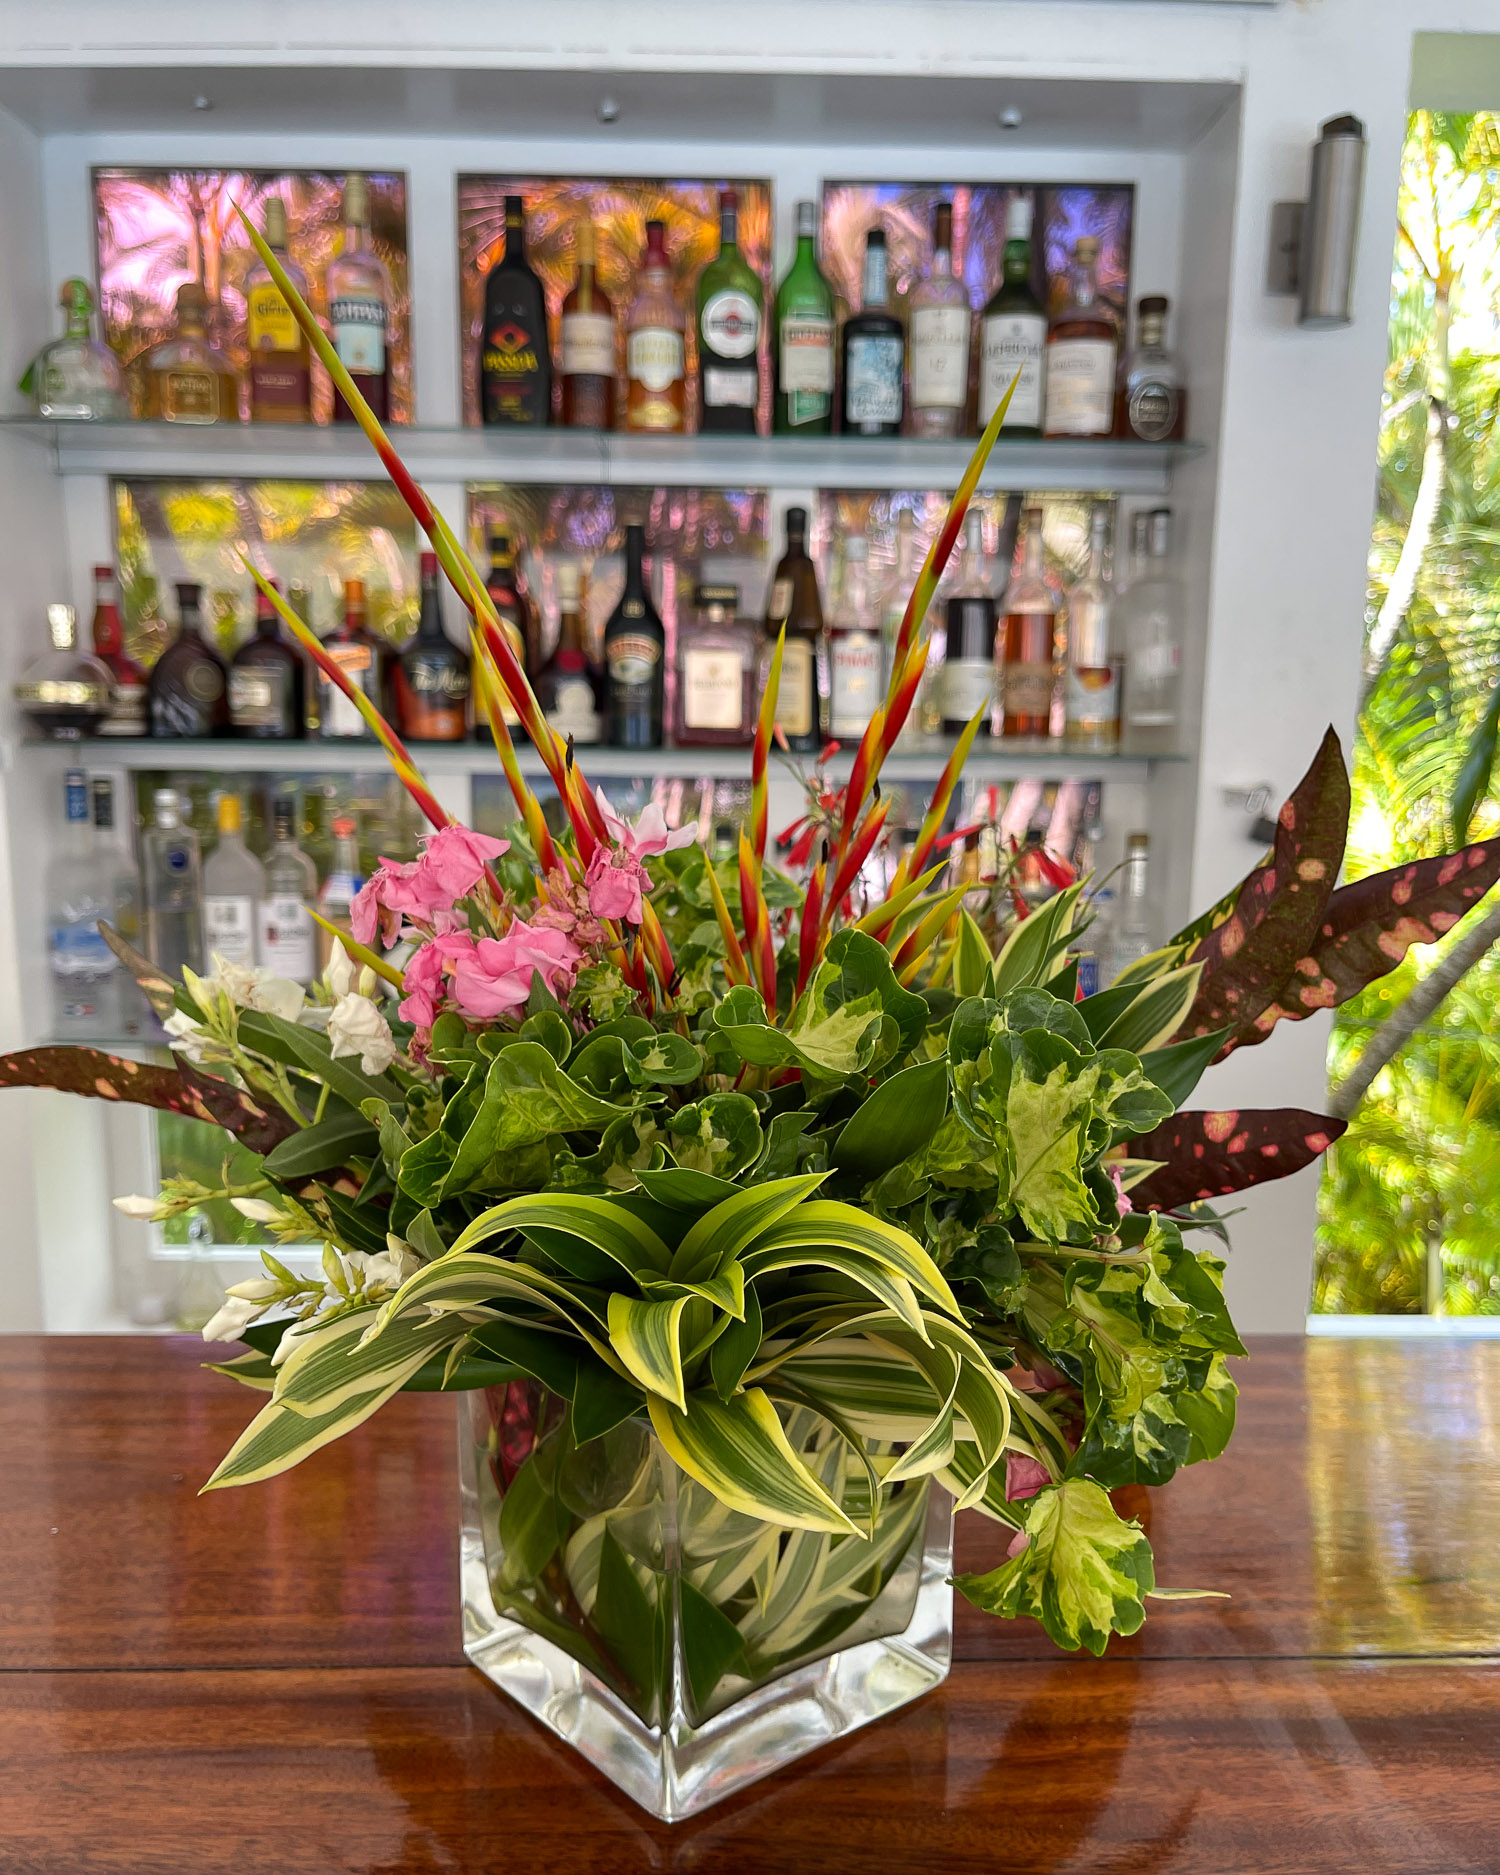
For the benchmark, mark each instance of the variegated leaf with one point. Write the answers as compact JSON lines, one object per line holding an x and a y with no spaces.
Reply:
{"x":738,"y":1450}
{"x":647,"y":1336}
{"x":826,"y":1221}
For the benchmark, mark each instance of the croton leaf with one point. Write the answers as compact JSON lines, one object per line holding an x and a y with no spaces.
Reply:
{"x":1204,"y":1155}
{"x":1369,"y":926}
{"x":174,"y":1090}
{"x":1279,"y":909}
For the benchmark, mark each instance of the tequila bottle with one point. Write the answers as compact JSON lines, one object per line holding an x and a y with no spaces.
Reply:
{"x":75,"y":377}
{"x":65,"y":693}
{"x":280,"y":374}
{"x":187,"y":381}
{"x":359,"y":300}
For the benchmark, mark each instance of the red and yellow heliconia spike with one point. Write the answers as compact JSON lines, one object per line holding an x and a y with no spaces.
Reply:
{"x":355,"y":951}
{"x":760,"y":757}
{"x":910,"y":956}
{"x":812,"y":925}
{"x":735,"y":967}
{"x":942,"y":794}
{"x":658,"y":950}
{"x":866,"y":765}
{"x":889,"y":911}
{"x":537,"y":830}
{"x":859,"y":852}
{"x":757,"y":922}
{"x":407,"y":771}
{"x":902,"y":695}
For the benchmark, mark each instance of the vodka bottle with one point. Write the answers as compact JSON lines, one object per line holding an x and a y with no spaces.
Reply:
{"x":1151,"y":627}
{"x":234,"y":884}
{"x":1131,"y":938}
{"x":288,"y":936}
{"x":854,"y":650}
{"x":84,"y":1001}
{"x":116,"y":868}
{"x":174,"y":907}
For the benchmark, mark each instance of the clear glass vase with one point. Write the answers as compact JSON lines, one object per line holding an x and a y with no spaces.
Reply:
{"x":683,"y":1648}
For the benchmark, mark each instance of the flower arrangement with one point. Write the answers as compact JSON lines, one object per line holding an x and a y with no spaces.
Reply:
{"x":707,"y":1191}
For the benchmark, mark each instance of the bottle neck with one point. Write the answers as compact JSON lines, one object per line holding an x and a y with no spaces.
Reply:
{"x":942,"y":263}
{"x":357,"y":235}
{"x":430,"y":618}
{"x":267,"y":625}
{"x":729,"y":230}
{"x":346,"y":854}
{"x":1017,"y":262}
{"x":874,"y":292}
{"x":1135,"y":883}
{"x":635,"y":584}
{"x":796,"y":543}
{"x":77,"y":326}
{"x":570,"y":629}
{"x":515,"y":240}
{"x":1085,"y":287}
{"x":807,"y":253}
{"x":108,"y":636}
{"x":1035,"y":554}
{"x":1152,"y":333}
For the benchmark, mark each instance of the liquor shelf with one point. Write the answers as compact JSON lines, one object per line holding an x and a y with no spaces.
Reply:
{"x":615,"y":458}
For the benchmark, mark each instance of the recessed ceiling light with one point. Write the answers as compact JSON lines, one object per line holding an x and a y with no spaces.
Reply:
{"x":202,"y":103}
{"x":1010,"y":118}
{"x":609,"y":109}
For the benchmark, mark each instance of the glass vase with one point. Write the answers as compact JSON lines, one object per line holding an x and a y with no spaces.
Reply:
{"x":683,"y":1648}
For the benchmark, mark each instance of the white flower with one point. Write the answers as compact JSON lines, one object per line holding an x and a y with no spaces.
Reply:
{"x":254,"y":986}
{"x":339,"y":973}
{"x":187,"y":1036}
{"x":257,"y":1210}
{"x":289,"y":1340}
{"x":254,"y":1289}
{"x":356,"y":1027}
{"x":242,"y":1303}
{"x":391,"y":1267}
{"x":146,"y":1209}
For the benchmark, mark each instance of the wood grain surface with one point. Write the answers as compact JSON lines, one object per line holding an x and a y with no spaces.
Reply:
{"x":270,"y":1679}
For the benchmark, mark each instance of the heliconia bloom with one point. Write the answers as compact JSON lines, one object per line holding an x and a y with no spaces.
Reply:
{"x":449,"y":867}
{"x":493,"y":976}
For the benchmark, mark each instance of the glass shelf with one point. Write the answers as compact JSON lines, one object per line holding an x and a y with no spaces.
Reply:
{"x":456,"y":454}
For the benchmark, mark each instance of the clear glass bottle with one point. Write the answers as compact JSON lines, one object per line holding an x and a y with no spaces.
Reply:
{"x":339,"y":888}
{"x":234,"y":886}
{"x":187,"y":380}
{"x":855,"y":652}
{"x":280,"y":371}
{"x":64,"y":693}
{"x":586,"y":354}
{"x":287,"y":938}
{"x":1083,"y":349}
{"x":1092,"y":694}
{"x":127,"y":712}
{"x":570,"y":687}
{"x":84,"y":1000}
{"x":803,"y":404}
{"x":76,"y":377}
{"x":515,"y":355}
{"x":359,"y":654}
{"x":794,"y":603}
{"x":898,"y":588}
{"x":874,"y":344}
{"x":1013,"y":333}
{"x":267,"y":682}
{"x":731,"y":311}
{"x":655,"y":352}
{"x":1151,"y":616}
{"x":716,"y":673}
{"x":174,"y":887}
{"x":359,"y":302}
{"x":634,"y":656}
{"x":1027,"y":676}
{"x":188,"y":692}
{"x":1151,"y":404}
{"x":969,"y":660}
{"x":941,"y":319}
{"x":121,"y":882}
{"x":1130,"y":937}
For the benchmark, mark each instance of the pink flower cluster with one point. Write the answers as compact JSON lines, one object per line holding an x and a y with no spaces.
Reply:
{"x":449,"y":867}
{"x":615,"y":875}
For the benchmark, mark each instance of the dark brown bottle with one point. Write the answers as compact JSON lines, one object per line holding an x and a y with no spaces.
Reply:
{"x":515,"y":363}
{"x":795,"y":602}
{"x":506,"y":585}
{"x":189,"y":690}
{"x":361,"y":657}
{"x":432,"y":674}
{"x":268,"y":682}
{"x":570,"y":688}
{"x":587,"y":352}
{"x":635,"y":644}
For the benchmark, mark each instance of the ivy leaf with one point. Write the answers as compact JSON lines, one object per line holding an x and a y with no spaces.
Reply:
{"x":1083,"y":1572}
{"x":1205,"y":1155}
{"x":719,"y":1134}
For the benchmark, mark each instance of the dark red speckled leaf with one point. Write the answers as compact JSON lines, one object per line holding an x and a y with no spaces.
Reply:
{"x":1207,"y":1155}
{"x":257,"y":1129}
{"x":113,"y":1077}
{"x":1279,"y":910}
{"x":1369,"y":926}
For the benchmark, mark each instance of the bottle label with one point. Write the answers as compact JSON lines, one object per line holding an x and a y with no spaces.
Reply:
{"x":940,"y":357}
{"x":653,"y":356}
{"x":1155,"y":663}
{"x":730,"y":324}
{"x":203,"y":680}
{"x":436,"y":679}
{"x":288,"y":942}
{"x":1088,"y":972}
{"x":967,"y":685}
{"x":588,"y":345}
{"x":797,"y":698}
{"x":229,"y":927}
{"x":272,"y":323}
{"x":1028,"y":690}
{"x":872,"y":382}
{"x":1080,"y":387}
{"x":1012,"y":342}
{"x":1151,"y":410}
{"x":780,"y":602}
{"x":79,"y":955}
{"x":729,"y":389}
{"x":854,"y":688}
{"x":1092,"y":699}
{"x":573,"y":712}
{"x":713,"y":689}
{"x":189,"y":397}
{"x":127,"y":716}
{"x":258,"y":697}
{"x":632,"y":659}
{"x":340,"y":717}
{"x":358,"y":323}
{"x":807,"y":354}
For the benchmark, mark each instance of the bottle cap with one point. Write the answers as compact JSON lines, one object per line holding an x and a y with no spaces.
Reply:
{"x":569,"y":582}
{"x":104,"y":572}
{"x":586,"y":248}
{"x":1018,"y":213}
{"x":729,"y":198}
{"x":1137,"y":842}
{"x":192,"y":303}
{"x":62,"y":625}
{"x":354,"y":592}
{"x":807,"y":218}
{"x":1152,"y":305}
{"x":275,"y":230}
{"x":283,"y":808}
{"x":76,"y":296}
{"x":229,"y":815}
{"x":343,"y":827}
{"x":796,"y":521}
{"x":428,"y":565}
{"x":167,"y":807}
{"x":1086,"y":247}
{"x":875,"y":238}
{"x":723,"y":597}
{"x":356,"y":199}
{"x":189,"y":595}
{"x":515,"y":207}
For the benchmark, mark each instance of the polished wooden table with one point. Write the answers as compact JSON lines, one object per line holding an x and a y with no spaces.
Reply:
{"x":270,"y":1680}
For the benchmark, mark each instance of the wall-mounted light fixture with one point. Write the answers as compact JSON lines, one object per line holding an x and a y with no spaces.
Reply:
{"x":1313,"y":242}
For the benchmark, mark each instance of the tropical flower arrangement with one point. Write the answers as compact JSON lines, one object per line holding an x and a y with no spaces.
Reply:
{"x":751,"y":1227}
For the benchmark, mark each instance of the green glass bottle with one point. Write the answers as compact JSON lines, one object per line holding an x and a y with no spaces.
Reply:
{"x":731,"y":304}
{"x":804,"y":340}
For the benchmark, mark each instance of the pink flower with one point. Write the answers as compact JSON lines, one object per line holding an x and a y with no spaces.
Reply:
{"x":566,"y":908}
{"x":1117,"y":1178}
{"x":493,"y":976}
{"x":449,"y":867}
{"x":614,"y":878}
{"x":649,"y":834}
{"x":423,"y":986}
{"x":455,"y":859}
{"x":1024,"y":1476}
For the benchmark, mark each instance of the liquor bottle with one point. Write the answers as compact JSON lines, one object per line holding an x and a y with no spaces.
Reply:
{"x":898,"y":590}
{"x":82,"y":965}
{"x":64,"y":693}
{"x":874,"y":353}
{"x":855,"y":662}
{"x":515,"y":362}
{"x":1083,"y":346}
{"x":634,"y":644}
{"x":1151,"y":403}
{"x":267,"y":682}
{"x":359,"y":299}
{"x":76,"y":377}
{"x":234,"y":886}
{"x":655,"y":368}
{"x":506,"y":585}
{"x":432,"y":674}
{"x":1013,"y":333}
{"x":1130,"y":936}
{"x":174,"y":895}
{"x":940,"y":323}
{"x":716,"y":673}
{"x":280,"y":376}
{"x":1027,"y":672}
{"x":586,"y":354}
{"x":803,"y":404}
{"x":1092,"y":703}
{"x":127,"y":712}
{"x":1151,"y":632}
{"x":795,"y":604}
{"x":120,"y":882}
{"x":731,"y":307}
{"x":360,"y":656}
{"x":187,"y":381}
{"x":287,"y":938}
{"x":188,"y":690}
{"x":569,"y":688}
{"x":968,"y":675}
{"x":339,"y":888}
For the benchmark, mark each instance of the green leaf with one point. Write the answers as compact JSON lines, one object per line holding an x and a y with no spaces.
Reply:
{"x":684,"y":1190}
{"x":1082,"y":1574}
{"x":647,"y":1336}
{"x":736,"y":1348}
{"x":532,"y":1521}
{"x":312,"y":1053}
{"x":599,"y":1223}
{"x":1155,"y":1013}
{"x":971,"y":962}
{"x":737,"y":1450}
{"x":664,"y":1060}
{"x":711,"y":1643}
{"x":1036,"y":945}
{"x":1208,"y":1412}
{"x":1100,"y":1009}
{"x":898,"y":1119}
{"x":1178,"y":1068}
{"x":626,"y":1620}
{"x":1473,"y":782}
{"x":551,"y":1029}
{"x":824,"y":1222}
{"x":725,"y":1231}
{"x":719,"y":1135}
{"x":319,"y":1148}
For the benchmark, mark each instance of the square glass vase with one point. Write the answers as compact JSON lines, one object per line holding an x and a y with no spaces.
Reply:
{"x":683,"y":1648}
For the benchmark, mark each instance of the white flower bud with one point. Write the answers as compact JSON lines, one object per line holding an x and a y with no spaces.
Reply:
{"x":145,"y":1209}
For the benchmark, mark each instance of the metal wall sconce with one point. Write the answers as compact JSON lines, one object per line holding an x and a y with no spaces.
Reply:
{"x":1313,"y":242}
